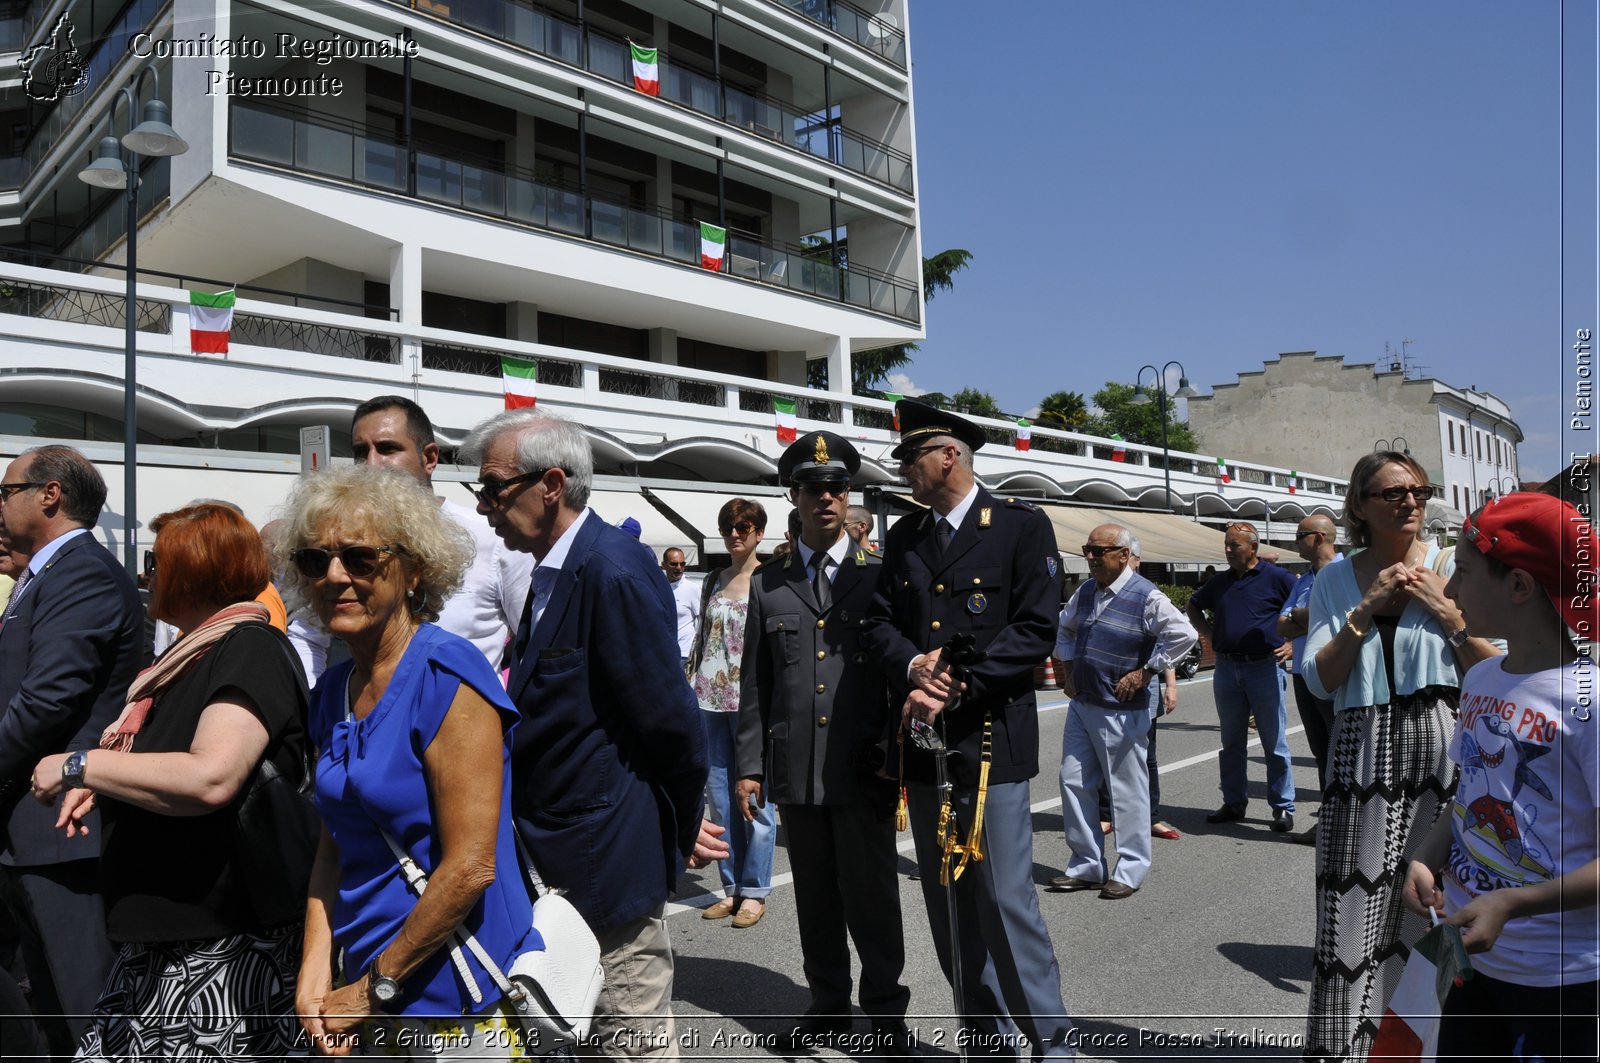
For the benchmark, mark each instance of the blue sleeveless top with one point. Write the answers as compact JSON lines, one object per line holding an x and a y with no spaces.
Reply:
{"x":1112,"y":645}
{"x":370,"y":774}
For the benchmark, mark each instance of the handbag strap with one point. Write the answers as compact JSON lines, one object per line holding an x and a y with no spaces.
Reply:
{"x":417,"y":879}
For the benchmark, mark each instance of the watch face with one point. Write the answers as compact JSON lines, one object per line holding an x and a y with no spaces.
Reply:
{"x":385,"y":989}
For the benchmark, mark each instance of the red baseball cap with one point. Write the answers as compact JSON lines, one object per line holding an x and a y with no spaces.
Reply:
{"x":1550,"y":541}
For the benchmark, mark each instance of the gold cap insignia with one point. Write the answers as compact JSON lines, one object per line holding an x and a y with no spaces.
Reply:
{"x":820,"y":456}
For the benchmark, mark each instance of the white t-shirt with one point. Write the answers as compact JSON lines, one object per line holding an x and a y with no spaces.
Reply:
{"x":485,"y":611}
{"x":1524,"y":813}
{"x":687,"y":594}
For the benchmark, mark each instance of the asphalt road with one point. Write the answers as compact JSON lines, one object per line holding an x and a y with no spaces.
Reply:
{"x":1210,"y":960}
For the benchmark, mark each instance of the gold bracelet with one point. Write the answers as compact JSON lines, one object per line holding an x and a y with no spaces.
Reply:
{"x":1349,"y":623}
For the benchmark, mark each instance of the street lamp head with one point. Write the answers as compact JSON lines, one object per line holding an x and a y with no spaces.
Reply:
{"x":106,"y":171}
{"x":1139,"y":397}
{"x":1184,"y":390}
{"x":155,"y":136}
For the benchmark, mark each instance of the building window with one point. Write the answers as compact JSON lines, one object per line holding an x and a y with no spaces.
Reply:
{"x":1478,"y":439}
{"x":1450,"y":434}
{"x":1455,"y":494}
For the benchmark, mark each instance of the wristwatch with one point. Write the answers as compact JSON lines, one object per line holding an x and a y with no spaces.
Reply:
{"x":1459,"y":639}
{"x":72,"y":769}
{"x":385,"y":991}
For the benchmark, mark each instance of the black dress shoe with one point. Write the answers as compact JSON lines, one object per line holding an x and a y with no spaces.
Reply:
{"x":811,"y":1032}
{"x":1283,"y":821}
{"x":1226,"y":814}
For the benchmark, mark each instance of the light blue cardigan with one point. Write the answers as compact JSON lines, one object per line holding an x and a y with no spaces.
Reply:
{"x":1422,"y":656}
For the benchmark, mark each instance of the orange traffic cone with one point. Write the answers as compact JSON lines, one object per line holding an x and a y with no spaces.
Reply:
{"x":1048,"y":680}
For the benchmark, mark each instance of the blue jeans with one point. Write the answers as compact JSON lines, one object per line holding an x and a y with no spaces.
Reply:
{"x":747,"y":872}
{"x":1243,"y":689}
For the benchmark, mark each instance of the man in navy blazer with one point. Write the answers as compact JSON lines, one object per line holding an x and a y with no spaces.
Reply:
{"x":609,"y":761}
{"x":71,"y":639}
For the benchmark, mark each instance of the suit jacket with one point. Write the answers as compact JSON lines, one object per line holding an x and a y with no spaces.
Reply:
{"x":999,"y":581}
{"x":67,"y":657}
{"x":812,"y":705}
{"x":610,"y":759}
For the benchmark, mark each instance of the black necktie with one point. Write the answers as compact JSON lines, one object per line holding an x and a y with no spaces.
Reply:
{"x":819,"y":581}
{"x":942,"y":535}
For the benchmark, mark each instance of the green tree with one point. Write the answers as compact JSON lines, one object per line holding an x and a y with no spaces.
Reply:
{"x":978,"y":403}
{"x":869,"y":370}
{"x":1067,"y":410}
{"x":1138,"y":424}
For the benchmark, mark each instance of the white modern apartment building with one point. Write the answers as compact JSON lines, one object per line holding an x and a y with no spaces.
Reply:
{"x":404,"y":192}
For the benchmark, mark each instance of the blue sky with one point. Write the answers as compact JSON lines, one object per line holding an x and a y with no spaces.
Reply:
{"x":1218,"y":181}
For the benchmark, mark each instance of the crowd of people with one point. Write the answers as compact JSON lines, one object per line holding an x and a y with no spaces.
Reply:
{"x":375,"y":652}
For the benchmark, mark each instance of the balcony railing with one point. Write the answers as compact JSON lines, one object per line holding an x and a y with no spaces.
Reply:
{"x":347,"y":152}
{"x":612,"y":393}
{"x":878,"y":34}
{"x":523,"y":25}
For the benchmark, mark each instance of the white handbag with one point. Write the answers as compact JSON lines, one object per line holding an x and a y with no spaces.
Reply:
{"x":553,"y":990}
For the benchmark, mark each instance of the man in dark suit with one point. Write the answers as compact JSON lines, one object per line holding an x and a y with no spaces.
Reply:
{"x":974,"y":565}
{"x":70,"y":643}
{"x":812,"y":717}
{"x":609,"y":760}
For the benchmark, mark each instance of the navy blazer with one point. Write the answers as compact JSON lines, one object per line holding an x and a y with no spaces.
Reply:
{"x":609,"y":763}
{"x":67,"y":658}
{"x":999,"y":580}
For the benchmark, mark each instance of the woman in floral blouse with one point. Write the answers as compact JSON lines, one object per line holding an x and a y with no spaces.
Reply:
{"x":714,"y":672}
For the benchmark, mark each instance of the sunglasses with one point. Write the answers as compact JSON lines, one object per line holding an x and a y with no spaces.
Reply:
{"x":912,"y":457}
{"x":489,"y":491}
{"x":360,"y":562}
{"x":7,"y":490}
{"x":744,"y":527}
{"x":1421,"y":492}
{"x":149,"y":563}
{"x":836,"y":488}
{"x":1301,"y":535}
{"x":1090,"y":550}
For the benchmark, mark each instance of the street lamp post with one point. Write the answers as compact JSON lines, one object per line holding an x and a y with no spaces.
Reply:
{"x":1141,"y":399}
{"x":1399,"y":443}
{"x":1498,"y":488}
{"x":152,"y":137}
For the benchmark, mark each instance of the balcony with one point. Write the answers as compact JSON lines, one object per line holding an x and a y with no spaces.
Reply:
{"x":288,"y":358}
{"x":348,"y":153}
{"x":878,"y":34}
{"x":528,"y":27}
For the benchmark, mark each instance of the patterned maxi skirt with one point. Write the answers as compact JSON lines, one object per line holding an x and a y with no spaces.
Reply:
{"x":1389,"y":778}
{"x":226,"y":998}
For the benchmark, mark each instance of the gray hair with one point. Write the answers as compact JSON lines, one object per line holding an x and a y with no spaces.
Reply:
{"x":83,"y":489}
{"x":963,"y":454}
{"x":391,"y":507}
{"x":544,"y":441}
{"x":1133,"y":545}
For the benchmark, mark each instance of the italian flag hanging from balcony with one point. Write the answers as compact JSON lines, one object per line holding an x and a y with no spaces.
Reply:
{"x":1024,"y":434}
{"x":520,"y":377}
{"x":713,"y":245}
{"x":1294,"y":481}
{"x":210,"y":321}
{"x":646,"y":70}
{"x":895,"y":397}
{"x":783,"y":413}
{"x":1222,"y":471}
{"x":1119,"y":452}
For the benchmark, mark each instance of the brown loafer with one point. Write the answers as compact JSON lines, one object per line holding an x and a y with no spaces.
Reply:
{"x":1070,"y":884}
{"x":748,"y":917}
{"x":1117,"y":891}
{"x":722,"y":909}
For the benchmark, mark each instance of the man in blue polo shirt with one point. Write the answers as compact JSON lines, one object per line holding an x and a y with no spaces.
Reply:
{"x":1245,"y":602}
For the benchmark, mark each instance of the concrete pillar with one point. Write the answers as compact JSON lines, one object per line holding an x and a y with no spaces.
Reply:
{"x":837,"y":351}
{"x":664,"y":346}
{"x":405,"y":294}
{"x":522,"y":322}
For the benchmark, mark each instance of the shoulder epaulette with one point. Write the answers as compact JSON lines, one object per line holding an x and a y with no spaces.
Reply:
{"x":1017,"y":503}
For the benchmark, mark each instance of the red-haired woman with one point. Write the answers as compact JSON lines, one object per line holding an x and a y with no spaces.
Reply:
{"x":199,"y":972}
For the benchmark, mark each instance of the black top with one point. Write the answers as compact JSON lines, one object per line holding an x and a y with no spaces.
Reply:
{"x":169,"y":878}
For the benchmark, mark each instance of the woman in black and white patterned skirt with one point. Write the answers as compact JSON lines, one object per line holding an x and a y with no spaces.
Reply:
{"x":1389,"y":649}
{"x":200,"y":971}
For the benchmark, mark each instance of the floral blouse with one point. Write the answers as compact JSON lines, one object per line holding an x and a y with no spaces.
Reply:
{"x":716,"y":681}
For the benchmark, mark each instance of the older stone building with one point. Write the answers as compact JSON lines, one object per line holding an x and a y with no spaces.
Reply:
{"x":1318,"y":414}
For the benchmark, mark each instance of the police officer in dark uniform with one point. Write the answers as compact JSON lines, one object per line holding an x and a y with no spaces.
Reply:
{"x":985,"y":566}
{"x":812,"y":720}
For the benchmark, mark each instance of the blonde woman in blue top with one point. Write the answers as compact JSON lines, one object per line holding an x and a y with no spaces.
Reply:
{"x":404,"y":730}
{"x":1388,"y":648}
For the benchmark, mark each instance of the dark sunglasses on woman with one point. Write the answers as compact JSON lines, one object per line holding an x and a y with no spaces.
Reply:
{"x":359,"y":561}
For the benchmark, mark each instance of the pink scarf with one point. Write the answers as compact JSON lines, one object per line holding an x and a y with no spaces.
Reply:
{"x":172,"y":666}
